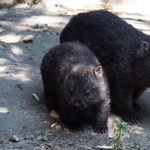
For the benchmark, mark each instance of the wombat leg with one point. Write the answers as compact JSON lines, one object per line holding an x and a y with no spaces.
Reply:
{"x":74,"y":125}
{"x":72,"y":121}
{"x":129,"y":114}
{"x":136,"y":94}
{"x":51,"y":100}
{"x":102,"y":113}
{"x":122,"y":103}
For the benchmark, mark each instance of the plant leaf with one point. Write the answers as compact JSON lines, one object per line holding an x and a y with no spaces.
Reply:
{"x":4,"y":110}
{"x":120,"y":121}
{"x":46,"y":138}
{"x":124,"y":123}
{"x":35,"y":97}
{"x":53,"y":124}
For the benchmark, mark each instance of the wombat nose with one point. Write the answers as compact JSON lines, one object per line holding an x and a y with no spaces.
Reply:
{"x":77,"y":104}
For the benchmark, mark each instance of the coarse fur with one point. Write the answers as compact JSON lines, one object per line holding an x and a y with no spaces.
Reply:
{"x":122,"y":50}
{"x":75,"y":86}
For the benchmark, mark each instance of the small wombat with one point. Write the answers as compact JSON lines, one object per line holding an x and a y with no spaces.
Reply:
{"x":123,"y":52}
{"x":75,"y":86}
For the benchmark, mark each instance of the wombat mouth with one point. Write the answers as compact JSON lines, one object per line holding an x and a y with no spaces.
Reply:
{"x":78,"y":106}
{"x":81,"y":106}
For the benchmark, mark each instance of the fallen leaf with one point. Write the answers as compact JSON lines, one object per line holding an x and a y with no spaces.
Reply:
{"x":54,"y":114}
{"x":46,"y":138}
{"x":53,"y":124}
{"x":4,"y":110}
{"x":35,"y":97}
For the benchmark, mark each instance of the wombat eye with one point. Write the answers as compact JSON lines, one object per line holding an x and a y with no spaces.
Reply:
{"x":71,"y":91}
{"x":88,"y":92}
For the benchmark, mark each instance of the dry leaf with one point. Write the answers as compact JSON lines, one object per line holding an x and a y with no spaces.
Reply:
{"x":4,"y":110}
{"x":53,"y":124}
{"x":35,"y":97}
{"x":54,"y":114}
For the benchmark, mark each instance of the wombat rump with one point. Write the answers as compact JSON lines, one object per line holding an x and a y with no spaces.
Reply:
{"x":76,"y":87}
{"x":123,"y":52}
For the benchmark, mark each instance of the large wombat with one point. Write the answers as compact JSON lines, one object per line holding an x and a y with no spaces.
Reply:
{"x":75,"y":86}
{"x":122,"y":50}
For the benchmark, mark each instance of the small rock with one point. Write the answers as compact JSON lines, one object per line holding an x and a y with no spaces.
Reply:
{"x":14,"y":138}
{"x":80,"y":140}
{"x":28,"y":39}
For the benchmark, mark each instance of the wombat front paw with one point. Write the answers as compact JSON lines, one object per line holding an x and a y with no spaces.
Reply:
{"x":101,"y":129}
{"x":75,"y":128}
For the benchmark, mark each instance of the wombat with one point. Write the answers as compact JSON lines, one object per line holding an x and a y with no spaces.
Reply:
{"x":76,"y":87}
{"x":123,"y":52}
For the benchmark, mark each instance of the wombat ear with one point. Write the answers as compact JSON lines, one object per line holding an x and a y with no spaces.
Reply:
{"x":144,"y":49}
{"x":98,"y":71}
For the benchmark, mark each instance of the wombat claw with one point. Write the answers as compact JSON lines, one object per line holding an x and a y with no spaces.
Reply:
{"x":132,"y":119}
{"x":102,"y":130}
{"x":73,"y":128}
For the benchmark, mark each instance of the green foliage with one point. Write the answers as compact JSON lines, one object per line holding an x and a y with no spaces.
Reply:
{"x":121,"y":130}
{"x":35,"y":97}
{"x":46,"y":137}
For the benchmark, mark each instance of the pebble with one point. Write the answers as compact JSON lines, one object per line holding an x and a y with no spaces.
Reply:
{"x":80,"y":140}
{"x":14,"y":138}
{"x":28,"y":38}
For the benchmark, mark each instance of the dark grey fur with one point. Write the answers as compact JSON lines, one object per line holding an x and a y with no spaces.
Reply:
{"x":122,"y":50}
{"x":75,"y":86}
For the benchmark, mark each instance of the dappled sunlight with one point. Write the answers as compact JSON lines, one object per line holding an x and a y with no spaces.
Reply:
{"x":3,"y":61}
{"x":10,"y":38}
{"x":138,"y":130}
{"x":16,"y":50}
{"x":22,"y":76}
{"x":7,"y":73}
{"x":132,"y":6}
{"x":12,"y":71}
{"x":12,"y":56}
{"x":143,"y":27}
{"x":3,"y":70}
{"x":42,"y":20}
{"x":17,"y":26}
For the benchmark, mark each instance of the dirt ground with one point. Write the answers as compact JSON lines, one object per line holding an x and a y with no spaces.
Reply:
{"x":26,"y":34}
